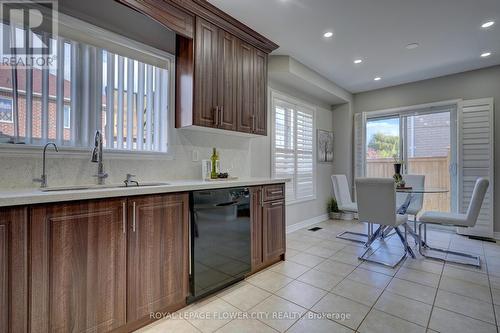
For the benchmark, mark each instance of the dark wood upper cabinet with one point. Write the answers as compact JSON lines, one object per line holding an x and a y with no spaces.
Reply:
{"x":273,"y":230}
{"x":78,"y":266}
{"x":206,"y":75}
{"x":14,"y":270}
{"x":158,"y":254}
{"x":260,"y":92}
{"x":227,"y":91}
{"x":246,"y":84}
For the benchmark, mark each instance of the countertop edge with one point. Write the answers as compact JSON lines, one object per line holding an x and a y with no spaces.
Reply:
{"x":35,"y":196}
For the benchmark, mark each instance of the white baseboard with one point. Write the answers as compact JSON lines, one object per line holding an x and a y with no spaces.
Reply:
{"x":306,"y":223}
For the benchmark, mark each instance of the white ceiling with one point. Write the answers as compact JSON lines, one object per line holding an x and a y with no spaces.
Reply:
{"x":377,"y":31}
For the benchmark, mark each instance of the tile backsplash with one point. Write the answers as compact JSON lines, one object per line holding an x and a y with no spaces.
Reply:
{"x":62,"y":170}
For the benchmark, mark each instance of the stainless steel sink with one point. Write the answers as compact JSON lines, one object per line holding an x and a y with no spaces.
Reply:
{"x":97,"y":187}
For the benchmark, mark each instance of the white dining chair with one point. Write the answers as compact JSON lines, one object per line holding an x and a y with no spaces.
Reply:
{"x":345,"y":204}
{"x":467,"y":220}
{"x":377,"y":205}
{"x":417,"y":199}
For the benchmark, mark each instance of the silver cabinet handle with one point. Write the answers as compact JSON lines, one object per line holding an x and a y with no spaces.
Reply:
{"x":253,"y":123}
{"x":124,"y":216}
{"x":277,"y":203}
{"x":277,"y":192}
{"x":133,"y":216}
{"x":221,"y":115}
{"x":216,"y":116}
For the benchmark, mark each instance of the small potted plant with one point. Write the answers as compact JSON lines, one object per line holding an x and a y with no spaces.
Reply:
{"x":333,"y":209}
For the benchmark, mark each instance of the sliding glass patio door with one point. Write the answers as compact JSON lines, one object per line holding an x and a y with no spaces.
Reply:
{"x":426,"y":141}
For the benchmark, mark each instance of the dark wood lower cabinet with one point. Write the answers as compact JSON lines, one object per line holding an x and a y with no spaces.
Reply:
{"x":78,"y":266}
{"x":273,"y":230}
{"x":14,"y":270}
{"x":256,"y":230}
{"x":268,"y":226}
{"x":158,"y":254}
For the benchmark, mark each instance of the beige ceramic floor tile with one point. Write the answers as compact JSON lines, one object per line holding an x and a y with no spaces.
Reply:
{"x":371,"y":278}
{"x":335,"y":267}
{"x":169,"y":326}
{"x":342,"y":310}
{"x":464,"y":305}
{"x":319,"y":279}
{"x":381,"y":322}
{"x":270,"y":281}
{"x":358,"y":292}
{"x":425,"y":278}
{"x":412,"y":290}
{"x":290,"y":269}
{"x":307,"y":259}
{"x":424,"y":265}
{"x":301,"y":293}
{"x":212,"y":316}
{"x":314,"y":323}
{"x":281,"y":314}
{"x":245,"y":297}
{"x":405,"y":308}
{"x":246,"y":326}
{"x":465,"y":288}
{"x":320,"y":251}
{"x":445,"y":321}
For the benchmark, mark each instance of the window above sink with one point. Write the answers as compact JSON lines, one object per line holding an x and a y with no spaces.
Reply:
{"x":95,"y":79}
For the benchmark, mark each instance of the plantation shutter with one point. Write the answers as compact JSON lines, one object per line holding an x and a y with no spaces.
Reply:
{"x":304,"y":158}
{"x":475,"y":159}
{"x":359,"y":145}
{"x":284,"y":145}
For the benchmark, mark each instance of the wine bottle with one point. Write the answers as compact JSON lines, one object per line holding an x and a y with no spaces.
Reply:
{"x":215,"y":164}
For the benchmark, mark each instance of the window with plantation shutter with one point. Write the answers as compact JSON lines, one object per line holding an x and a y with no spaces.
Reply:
{"x":293,"y":147}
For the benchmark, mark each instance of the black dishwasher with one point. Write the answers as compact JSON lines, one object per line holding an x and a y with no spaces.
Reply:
{"x":220,"y":239}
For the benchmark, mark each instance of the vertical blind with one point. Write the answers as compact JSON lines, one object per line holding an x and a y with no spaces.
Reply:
{"x":293,"y":155}
{"x":89,"y":88}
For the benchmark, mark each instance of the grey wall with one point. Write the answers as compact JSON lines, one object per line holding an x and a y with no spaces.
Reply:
{"x":469,"y":85}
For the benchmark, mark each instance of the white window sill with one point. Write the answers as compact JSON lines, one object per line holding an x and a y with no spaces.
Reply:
{"x":299,"y":201}
{"x":20,"y":150}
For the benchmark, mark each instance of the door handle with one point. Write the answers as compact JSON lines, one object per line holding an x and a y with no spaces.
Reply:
{"x":133,"y":216}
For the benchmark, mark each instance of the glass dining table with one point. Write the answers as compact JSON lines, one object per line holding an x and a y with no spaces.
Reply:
{"x":411,"y":194}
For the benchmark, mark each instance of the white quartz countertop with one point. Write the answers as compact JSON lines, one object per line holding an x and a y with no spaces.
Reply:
{"x":16,"y":197}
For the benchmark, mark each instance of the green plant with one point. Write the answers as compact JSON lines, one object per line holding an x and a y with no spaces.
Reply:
{"x":332,"y":206}
{"x":397,"y":160}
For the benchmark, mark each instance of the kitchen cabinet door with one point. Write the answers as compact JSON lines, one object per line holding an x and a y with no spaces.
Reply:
{"x":245,"y":95}
{"x":205,"y":111}
{"x":227,"y":80}
{"x":260,"y":94}
{"x":273,"y":230}
{"x":78,"y":266}
{"x":13,"y":270}
{"x":256,"y":220}
{"x":158,"y":254}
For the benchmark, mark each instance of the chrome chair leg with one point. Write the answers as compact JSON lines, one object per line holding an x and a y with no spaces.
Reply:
{"x":369,"y":233}
{"x":378,"y":232}
{"x":424,"y":244}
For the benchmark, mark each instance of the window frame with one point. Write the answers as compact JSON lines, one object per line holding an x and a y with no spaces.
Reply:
{"x":78,"y":26}
{"x":11,"y":110}
{"x":273,"y":95}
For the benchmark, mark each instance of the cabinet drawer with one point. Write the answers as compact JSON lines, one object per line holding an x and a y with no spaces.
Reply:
{"x":274,"y":192}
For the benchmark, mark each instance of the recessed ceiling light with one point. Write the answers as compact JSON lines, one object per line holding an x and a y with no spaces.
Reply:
{"x":488,"y":24}
{"x":378,"y":78}
{"x":412,"y":46}
{"x":358,"y":61}
{"x":485,"y":54}
{"x":328,"y":34}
